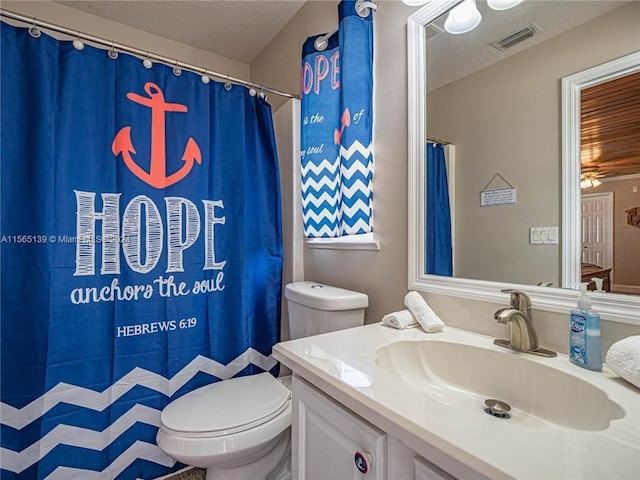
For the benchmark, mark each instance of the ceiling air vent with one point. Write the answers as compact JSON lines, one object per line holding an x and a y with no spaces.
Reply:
{"x":431,"y":31}
{"x":515,"y":37}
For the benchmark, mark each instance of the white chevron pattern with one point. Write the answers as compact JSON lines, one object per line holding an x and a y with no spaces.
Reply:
{"x":77,"y":437}
{"x":325,"y":206}
{"x":349,"y":187}
{"x":325,"y":231}
{"x":360,"y":205}
{"x":330,"y":166}
{"x":316,"y":202}
{"x":361,"y":226}
{"x":356,"y":146}
{"x":317,"y":185}
{"x":139,"y":449}
{"x":357,"y":167}
{"x":345,"y":186}
{"x":318,"y":217}
{"x":358,"y":186}
{"x":83,"y":397}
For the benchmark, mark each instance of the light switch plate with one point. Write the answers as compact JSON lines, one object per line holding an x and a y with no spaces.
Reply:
{"x":543,"y":235}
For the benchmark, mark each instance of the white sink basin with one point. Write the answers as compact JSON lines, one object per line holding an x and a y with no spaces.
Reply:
{"x":465,"y":376}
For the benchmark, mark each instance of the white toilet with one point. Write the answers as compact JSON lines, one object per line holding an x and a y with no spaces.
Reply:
{"x":239,"y":429}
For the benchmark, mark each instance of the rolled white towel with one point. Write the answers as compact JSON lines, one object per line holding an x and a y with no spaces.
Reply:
{"x":624,"y":358}
{"x":400,"y":320}
{"x":428,"y":320}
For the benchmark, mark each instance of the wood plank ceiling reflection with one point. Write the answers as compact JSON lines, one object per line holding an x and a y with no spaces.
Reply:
{"x":610,"y":127}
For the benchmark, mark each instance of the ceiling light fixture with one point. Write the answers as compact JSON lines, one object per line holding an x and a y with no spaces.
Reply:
{"x":463,"y":18}
{"x":503,"y":4}
{"x":589,"y":179}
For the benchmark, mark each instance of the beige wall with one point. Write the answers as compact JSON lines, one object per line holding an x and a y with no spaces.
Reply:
{"x":383,"y":275}
{"x":286,"y":125}
{"x":278,"y":65}
{"x":99,"y":27}
{"x":380,"y":274}
{"x":505,"y":119}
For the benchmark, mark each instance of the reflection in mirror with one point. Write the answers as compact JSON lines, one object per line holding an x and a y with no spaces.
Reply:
{"x":501,"y":110}
{"x":494,"y":94}
{"x":609,"y":181}
{"x":601,"y":167}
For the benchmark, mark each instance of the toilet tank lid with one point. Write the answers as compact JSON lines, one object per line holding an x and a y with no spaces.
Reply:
{"x":324,"y":297}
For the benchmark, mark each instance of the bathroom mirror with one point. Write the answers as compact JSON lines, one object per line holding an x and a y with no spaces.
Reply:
{"x":559,"y":208}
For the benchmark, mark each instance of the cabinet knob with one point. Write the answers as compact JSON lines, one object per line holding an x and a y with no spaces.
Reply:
{"x":363,"y":461}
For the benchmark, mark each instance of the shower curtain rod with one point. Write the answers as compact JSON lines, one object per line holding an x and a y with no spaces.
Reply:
{"x":138,"y":52}
{"x":437,"y":140}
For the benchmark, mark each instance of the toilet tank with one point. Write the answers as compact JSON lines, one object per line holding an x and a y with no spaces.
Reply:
{"x":315,"y":308}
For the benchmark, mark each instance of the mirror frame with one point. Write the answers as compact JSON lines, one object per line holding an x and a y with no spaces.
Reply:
{"x":620,"y":308}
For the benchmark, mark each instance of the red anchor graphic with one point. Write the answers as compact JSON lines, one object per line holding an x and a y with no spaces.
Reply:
{"x":346,"y":121}
{"x":157,"y":176}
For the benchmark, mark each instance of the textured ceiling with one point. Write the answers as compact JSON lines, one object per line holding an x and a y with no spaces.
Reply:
{"x":240,"y":29}
{"x":451,"y":57}
{"x":237,"y":29}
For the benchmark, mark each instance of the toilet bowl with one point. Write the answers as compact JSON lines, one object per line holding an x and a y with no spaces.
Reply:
{"x":239,"y":429}
{"x":236,"y":429}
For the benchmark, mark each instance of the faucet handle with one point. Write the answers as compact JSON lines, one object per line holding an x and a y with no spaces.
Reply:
{"x":519,"y":299}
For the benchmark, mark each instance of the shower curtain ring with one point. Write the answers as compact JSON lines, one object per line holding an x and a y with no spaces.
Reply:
{"x":77,"y":43}
{"x":364,"y":7}
{"x":227,"y":84}
{"x":146,"y":63}
{"x":205,"y":78}
{"x":35,"y":31}
{"x":112,"y":54}
{"x":177,"y":71}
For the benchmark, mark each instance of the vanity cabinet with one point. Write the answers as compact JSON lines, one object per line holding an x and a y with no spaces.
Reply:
{"x":425,"y":470}
{"x":330,"y":442}
{"x":347,"y":398}
{"x":327,"y":439}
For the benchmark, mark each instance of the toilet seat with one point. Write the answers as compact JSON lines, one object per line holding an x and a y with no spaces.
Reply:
{"x":232,"y":424}
{"x":226,"y":408}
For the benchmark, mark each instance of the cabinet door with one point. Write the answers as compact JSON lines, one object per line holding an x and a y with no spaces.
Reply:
{"x":425,"y":470}
{"x":332,"y":443}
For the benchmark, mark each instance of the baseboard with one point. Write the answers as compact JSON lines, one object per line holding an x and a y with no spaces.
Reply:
{"x":632,"y":289}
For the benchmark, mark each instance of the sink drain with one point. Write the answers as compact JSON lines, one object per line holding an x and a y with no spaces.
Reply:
{"x":497,"y":409}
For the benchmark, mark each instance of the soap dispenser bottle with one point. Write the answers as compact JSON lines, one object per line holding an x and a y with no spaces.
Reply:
{"x":585,"y":348}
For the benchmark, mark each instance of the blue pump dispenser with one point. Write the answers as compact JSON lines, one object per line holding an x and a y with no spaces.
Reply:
{"x":585,"y":348}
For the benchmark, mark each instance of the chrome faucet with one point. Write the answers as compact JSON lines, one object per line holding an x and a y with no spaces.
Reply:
{"x":522,"y":335}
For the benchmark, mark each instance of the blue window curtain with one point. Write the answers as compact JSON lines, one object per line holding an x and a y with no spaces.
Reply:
{"x":141,"y":253}
{"x":320,"y":155}
{"x":438,"y":225}
{"x":337,"y":119}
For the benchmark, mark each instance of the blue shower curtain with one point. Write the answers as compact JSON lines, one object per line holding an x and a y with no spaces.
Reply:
{"x":141,"y":253}
{"x":439,"y":247}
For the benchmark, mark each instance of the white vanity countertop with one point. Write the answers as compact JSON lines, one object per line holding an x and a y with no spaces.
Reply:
{"x":343,"y":365}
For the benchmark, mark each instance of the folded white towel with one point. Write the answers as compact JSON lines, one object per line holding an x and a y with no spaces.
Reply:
{"x":624,"y":358}
{"x":401,"y":320}
{"x":426,"y":317}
